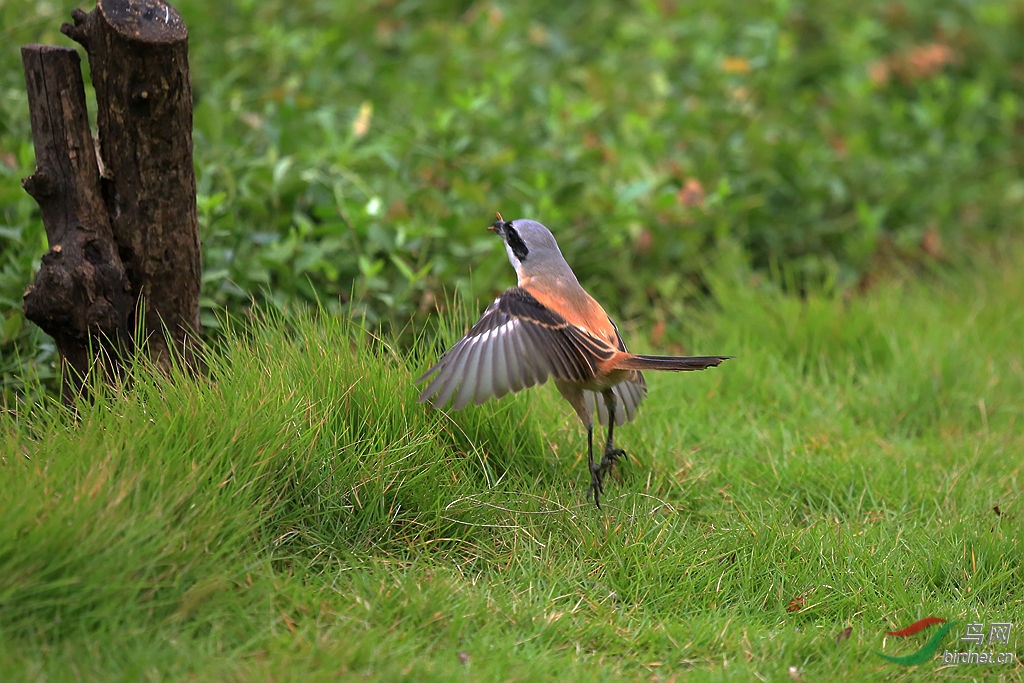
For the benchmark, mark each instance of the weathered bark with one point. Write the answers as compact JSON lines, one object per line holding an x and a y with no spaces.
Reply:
{"x":121,"y":221}
{"x":81,"y":295}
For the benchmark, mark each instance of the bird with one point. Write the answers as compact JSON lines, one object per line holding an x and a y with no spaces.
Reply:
{"x":548,"y":326}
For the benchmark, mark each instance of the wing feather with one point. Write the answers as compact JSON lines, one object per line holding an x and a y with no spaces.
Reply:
{"x":523,"y":353}
{"x":517,"y":343}
{"x":544,"y":359}
{"x":446,"y":385}
{"x":628,"y":395}
{"x":499,"y":365}
{"x":485,"y":369}
{"x":470,"y":373}
{"x":513,"y":359}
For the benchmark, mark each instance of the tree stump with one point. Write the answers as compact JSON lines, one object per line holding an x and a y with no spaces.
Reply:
{"x":124,"y":262}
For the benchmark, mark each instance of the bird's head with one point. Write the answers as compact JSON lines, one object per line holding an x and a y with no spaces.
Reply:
{"x":531,"y":247}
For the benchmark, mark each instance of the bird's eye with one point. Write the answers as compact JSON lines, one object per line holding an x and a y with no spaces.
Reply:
{"x":515,"y":242}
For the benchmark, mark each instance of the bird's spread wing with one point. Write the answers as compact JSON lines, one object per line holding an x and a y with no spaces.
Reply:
{"x":628,"y":395}
{"x":516,"y":343}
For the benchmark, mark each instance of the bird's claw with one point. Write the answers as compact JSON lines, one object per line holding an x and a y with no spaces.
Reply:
{"x":599,"y":470}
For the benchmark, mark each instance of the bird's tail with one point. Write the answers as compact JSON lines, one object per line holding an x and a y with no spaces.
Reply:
{"x":674,"y":363}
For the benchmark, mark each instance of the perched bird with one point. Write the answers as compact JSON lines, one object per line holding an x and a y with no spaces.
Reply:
{"x":548,"y":326}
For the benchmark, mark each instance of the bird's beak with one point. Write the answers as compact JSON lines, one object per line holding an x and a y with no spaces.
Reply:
{"x":497,"y":225}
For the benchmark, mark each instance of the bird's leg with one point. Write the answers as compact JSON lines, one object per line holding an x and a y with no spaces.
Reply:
{"x":611,"y":453}
{"x":595,"y":477}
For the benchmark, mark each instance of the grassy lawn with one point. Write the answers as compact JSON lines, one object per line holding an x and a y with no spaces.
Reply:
{"x":298,"y":516}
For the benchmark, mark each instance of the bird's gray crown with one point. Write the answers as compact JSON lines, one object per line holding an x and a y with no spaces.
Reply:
{"x":534,"y":235}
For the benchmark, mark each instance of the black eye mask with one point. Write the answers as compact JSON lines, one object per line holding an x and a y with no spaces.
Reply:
{"x":515,"y":242}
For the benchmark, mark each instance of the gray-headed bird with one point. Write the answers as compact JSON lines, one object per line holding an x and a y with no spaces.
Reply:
{"x":548,"y":326}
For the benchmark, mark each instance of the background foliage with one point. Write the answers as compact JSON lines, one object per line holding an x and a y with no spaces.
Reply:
{"x":353,"y":152}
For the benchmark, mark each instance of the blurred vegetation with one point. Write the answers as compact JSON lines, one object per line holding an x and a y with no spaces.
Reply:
{"x":353,"y":152}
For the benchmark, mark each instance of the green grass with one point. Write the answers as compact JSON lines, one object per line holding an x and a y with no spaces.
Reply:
{"x":298,"y":516}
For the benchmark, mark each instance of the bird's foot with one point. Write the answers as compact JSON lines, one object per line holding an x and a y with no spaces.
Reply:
{"x":599,"y":470}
